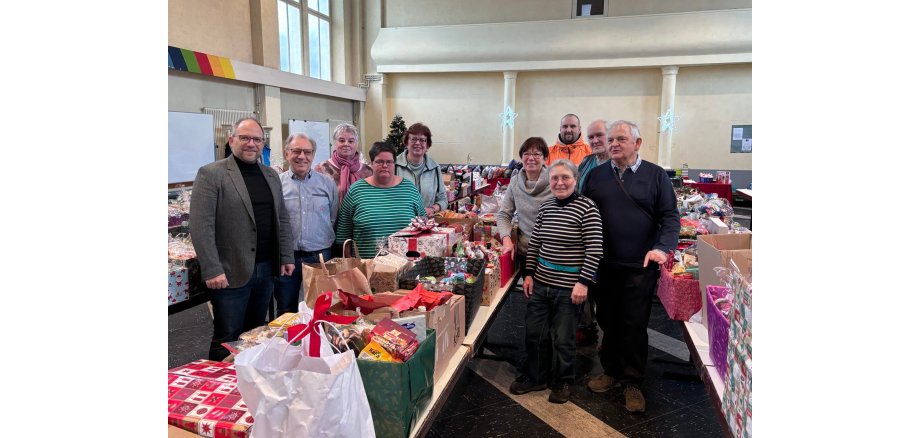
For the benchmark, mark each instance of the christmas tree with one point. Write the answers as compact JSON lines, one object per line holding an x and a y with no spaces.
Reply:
{"x":397,"y":129}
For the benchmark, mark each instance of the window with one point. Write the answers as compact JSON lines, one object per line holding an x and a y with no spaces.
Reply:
{"x":589,"y":8}
{"x":291,"y":31}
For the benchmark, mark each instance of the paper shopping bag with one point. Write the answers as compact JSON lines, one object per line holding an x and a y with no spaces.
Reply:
{"x":350,"y":259}
{"x":291,"y":394}
{"x":317,"y":280}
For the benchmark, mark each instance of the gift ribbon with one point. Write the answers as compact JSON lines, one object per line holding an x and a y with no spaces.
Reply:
{"x":323,"y":302}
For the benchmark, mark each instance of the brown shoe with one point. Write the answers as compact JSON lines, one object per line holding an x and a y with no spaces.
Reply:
{"x":635,"y":402}
{"x":602,"y":383}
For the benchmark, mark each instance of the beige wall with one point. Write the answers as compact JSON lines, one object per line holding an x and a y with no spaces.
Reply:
{"x":401,"y":13}
{"x":216,"y":27}
{"x":462,"y":111}
{"x":544,"y":97}
{"x":304,"y":106}
{"x":189,"y":92}
{"x":620,"y":8}
{"x":405,"y":13}
{"x":708,"y":101}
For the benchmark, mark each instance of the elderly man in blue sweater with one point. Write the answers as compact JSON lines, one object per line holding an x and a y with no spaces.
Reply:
{"x":641,"y":224}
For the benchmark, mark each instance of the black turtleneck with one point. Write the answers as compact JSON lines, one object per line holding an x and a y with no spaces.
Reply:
{"x":564,"y":202}
{"x":263,"y":207}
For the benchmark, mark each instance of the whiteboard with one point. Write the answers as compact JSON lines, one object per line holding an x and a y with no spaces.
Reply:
{"x":319,"y":132}
{"x":191,"y":144}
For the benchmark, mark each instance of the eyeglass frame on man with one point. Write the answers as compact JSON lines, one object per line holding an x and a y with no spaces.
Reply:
{"x":244,"y":139}
{"x":305,"y":152}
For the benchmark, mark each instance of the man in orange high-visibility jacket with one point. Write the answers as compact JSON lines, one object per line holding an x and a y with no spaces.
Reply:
{"x":570,"y":144}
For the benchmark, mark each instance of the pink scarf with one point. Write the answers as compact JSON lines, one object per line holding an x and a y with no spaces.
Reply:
{"x":348,"y":171}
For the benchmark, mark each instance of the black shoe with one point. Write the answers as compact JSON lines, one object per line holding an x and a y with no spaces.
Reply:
{"x":522,"y":385}
{"x":561,"y":394}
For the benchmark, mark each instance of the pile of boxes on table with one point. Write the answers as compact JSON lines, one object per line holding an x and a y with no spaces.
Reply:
{"x":725,"y":267}
{"x":184,"y":272}
{"x":410,"y":314}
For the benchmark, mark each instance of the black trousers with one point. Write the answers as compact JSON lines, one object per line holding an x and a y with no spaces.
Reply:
{"x":624,"y":303}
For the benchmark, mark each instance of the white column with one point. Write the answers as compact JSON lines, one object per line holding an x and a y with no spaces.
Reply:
{"x":508,"y":131}
{"x":668,"y":87}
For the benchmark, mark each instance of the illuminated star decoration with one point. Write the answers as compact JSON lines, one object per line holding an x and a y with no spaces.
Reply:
{"x":508,"y":117}
{"x":668,"y":121}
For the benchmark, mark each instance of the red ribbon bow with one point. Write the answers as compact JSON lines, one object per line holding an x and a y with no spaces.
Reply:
{"x":320,"y":313}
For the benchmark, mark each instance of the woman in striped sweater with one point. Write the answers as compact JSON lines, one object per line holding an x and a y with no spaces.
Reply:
{"x":562,"y":258}
{"x":378,"y":205}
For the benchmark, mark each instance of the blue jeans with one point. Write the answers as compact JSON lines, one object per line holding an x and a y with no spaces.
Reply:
{"x":551,"y":315}
{"x":239,"y":309}
{"x":288,"y":292}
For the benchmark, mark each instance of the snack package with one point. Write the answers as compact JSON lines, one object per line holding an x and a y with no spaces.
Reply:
{"x":398,"y":341}
{"x":373,"y":351}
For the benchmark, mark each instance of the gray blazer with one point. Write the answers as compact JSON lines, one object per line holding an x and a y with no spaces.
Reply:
{"x":223,"y":226}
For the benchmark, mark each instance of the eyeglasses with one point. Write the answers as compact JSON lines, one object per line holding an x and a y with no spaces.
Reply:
{"x":532,"y":154}
{"x":245,"y":139}
{"x":296,"y":152}
{"x":417,"y":139}
{"x":384,"y":162}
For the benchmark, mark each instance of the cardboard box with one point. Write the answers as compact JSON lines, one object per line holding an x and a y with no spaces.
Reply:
{"x":715,"y":225}
{"x":203,"y":398}
{"x":449,"y":323}
{"x":716,"y":250}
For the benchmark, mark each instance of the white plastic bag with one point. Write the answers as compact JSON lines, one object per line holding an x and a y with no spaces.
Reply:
{"x":292,"y":394}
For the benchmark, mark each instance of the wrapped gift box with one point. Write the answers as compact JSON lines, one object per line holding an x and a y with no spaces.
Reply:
{"x":492,"y":284}
{"x":736,"y":401}
{"x":434,"y":243}
{"x":679,"y":296}
{"x":718,"y":329}
{"x":203,"y":399}
{"x":485,"y":233}
{"x":506,"y":266}
{"x":178,"y":284}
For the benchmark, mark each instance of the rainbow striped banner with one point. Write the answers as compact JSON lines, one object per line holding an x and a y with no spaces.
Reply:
{"x":201,"y":63}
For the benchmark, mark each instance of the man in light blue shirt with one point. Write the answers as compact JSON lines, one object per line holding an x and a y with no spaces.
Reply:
{"x":311,"y":201}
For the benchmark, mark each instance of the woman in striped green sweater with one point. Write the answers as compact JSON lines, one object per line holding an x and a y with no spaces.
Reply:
{"x":562,"y":257}
{"x":378,"y":205}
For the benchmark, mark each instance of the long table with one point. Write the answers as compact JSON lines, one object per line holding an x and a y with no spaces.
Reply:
{"x":474,"y":337}
{"x":697,"y":338}
{"x":720,"y":189}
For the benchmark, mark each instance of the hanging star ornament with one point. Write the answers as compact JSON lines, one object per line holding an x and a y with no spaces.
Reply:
{"x":668,"y":121}
{"x":508,"y":117}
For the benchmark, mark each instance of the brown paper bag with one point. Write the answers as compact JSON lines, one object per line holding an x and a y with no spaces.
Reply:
{"x":319,"y":278}
{"x":350,"y":259}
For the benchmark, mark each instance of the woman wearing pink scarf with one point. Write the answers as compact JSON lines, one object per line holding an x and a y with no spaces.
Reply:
{"x":345,"y":166}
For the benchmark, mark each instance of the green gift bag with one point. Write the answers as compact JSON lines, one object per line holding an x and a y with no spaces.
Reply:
{"x":399,"y":392}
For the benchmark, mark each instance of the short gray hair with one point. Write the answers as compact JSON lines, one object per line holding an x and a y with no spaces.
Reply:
{"x":287,"y":143}
{"x":345,"y":127}
{"x":570,"y":166}
{"x":633,"y":128}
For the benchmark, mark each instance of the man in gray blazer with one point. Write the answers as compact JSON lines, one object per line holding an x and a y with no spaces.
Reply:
{"x":240,"y":231}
